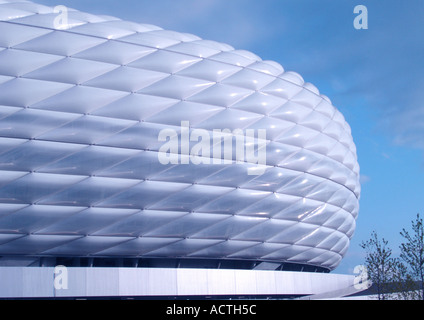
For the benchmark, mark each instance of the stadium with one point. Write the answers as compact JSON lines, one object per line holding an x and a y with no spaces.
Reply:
{"x":150,"y":158}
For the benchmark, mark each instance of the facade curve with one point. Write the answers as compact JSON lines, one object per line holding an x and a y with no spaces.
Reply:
{"x":113,"y":144}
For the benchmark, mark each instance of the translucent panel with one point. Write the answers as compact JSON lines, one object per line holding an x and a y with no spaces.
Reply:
{"x":165,"y":61}
{"x":288,"y":252}
{"x":215,"y":45}
{"x":269,"y":67}
{"x":302,"y":160}
{"x":86,"y":221}
{"x":7,"y":144}
{"x":191,"y":198}
{"x":338,"y":153}
{"x":270,"y":206}
{"x":293,"y":77}
{"x":142,"y":136}
{"x":307,"y":98}
{"x":260,"y":102}
{"x":326,"y":109}
{"x":4,"y":238}
{"x":297,"y":136}
{"x":87,"y":245}
{"x":141,"y":223}
{"x":34,"y":244}
{"x":232,"y":58}
{"x":341,"y":246}
{"x":6,"y":209}
{"x":221,"y":95}
{"x":142,"y":166}
{"x":89,"y":160}
{"x":224,"y":249}
{"x":127,"y":79}
{"x":321,"y":213}
{"x":34,"y":154}
{"x":69,"y":70}
{"x":135,"y":107}
{"x":300,"y":186}
{"x":60,"y":43}
{"x":315,"y":120}
{"x":187,"y":173}
{"x":291,"y":111}
{"x":249,"y":79}
{"x":28,"y":7}
{"x":302,"y":209}
{"x":177,"y":87}
{"x":186,"y":226}
{"x":322,"y":168}
{"x":19,"y":62}
{"x":317,"y":236}
{"x":32,"y":123}
{"x":231,"y":175}
{"x":142,"y":195}
{"x":194,"y":49}
{"x":47,"y":20}
{"x":338,"y":219}
{"x":185,"y":111}
{"x":210,"y":70}
{"x":277,"y":152}
{"x":233,"y":202}
{"x":33,"y":218}
{"x":7,"y":111}
{"x":4,"y":79}
{"x":80,"y":99}
{"x":138,"y":247}
{"x":89,"y":192}
{"x":258,"y":251}
{"x":326,"y":190}
{"x":13,"y":34}
{"x":266,"y":230}
{"x":273,"y":179}
{"x":87,"y":129}
{"x":294,"y":234}
{"x":230,"y":119}
{"x":150,"y":40}
{"x":327,"y":259}
{"x":273,"y":127}
{"x":115,"y":52}
{"x":228,"y":228}
{"x":35,"y":186}
{"x":11,"y":14}
{"x":182,"y":248}
{"x":25,"y":92}
{"x":333,"y":240}
{"x":102,"y":29}
{"x":283,"y":89}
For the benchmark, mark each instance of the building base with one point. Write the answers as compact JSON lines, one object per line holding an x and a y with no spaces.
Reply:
{"x":157,"y":283}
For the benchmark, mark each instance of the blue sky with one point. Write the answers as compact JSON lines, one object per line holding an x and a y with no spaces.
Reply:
{"x":374,"y":76}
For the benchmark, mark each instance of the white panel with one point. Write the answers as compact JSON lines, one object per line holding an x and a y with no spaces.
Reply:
{"x":191,"y":282}
{"x":102,"y":282}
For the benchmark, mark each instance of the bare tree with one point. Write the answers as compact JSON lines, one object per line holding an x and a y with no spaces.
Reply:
{"x":412,"y":251}
{"x":403,"y":286}
{"x":380,"y":265}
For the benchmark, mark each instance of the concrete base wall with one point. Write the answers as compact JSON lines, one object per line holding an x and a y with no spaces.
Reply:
{"x":21,"y":282}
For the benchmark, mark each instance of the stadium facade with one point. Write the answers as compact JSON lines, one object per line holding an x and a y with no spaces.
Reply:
{"x":124,"y":145}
